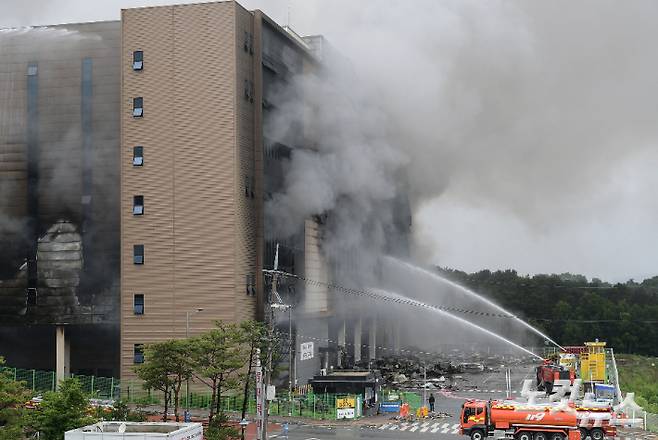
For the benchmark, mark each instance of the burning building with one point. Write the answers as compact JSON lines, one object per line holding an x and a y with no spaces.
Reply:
{"x":139,"y":168}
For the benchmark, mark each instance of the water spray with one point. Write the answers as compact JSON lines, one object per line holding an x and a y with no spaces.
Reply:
{"x":386,"y":295}
{"x":472,"y":294}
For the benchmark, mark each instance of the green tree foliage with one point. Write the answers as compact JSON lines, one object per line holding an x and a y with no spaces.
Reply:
{"x":219,"y":429}
{"x":639,"y":374}
{"x":13,"y":396}
{"x":572,"y":310}
{"x":121,"y":412}
{"x":218,"y":356}
{"x":61,"y":411}
{"x":166,"y":366}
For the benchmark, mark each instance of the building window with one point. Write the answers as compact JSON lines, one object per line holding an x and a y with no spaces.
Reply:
{"x":246,"y":41}
{"x":250,"y":284}
{"x":248,"y":187}
{"x":138,"y":107}
{"x":138,"y":205}
{"x":138,"y":304}
{"x":138,"y":156}
{"x":138,"y":60}
{"x":138,"y":254}
{"x":138,"y":354}
{"x":31,"y":299}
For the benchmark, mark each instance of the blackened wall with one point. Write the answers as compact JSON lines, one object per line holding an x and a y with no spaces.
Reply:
{"x":59,"y":186}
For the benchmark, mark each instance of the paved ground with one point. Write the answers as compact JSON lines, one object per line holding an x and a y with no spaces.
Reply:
{"x":412,"y":431}
{"x":478,"y":386}
{"x":321,"y":433}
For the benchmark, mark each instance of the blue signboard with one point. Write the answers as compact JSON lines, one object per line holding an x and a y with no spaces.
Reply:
{"x":390,"y":407}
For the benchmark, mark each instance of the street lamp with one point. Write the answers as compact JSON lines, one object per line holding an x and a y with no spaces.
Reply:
{"x":187,"y":383}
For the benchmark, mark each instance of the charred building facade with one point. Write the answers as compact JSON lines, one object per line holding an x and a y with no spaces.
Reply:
{"x":59,"y":174}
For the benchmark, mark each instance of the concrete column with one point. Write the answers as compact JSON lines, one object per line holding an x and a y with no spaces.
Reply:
{"x":62,"y":354}
{"x":372,"y":339}
{"x":341,"y":343}
{"x":357,"y":339}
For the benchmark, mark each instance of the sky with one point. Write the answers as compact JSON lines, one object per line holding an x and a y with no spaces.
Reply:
{"x":529,"y":133}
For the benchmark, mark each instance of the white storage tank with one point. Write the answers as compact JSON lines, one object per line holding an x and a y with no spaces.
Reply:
{"x":137,"y":431}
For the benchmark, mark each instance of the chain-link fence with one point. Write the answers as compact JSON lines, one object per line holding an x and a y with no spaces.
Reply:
{"x":41,"y":381}
{"x":316,"y":406}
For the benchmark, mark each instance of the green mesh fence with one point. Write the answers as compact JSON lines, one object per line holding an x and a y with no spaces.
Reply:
{"x":316,"y":406}
{"x":413,"y":399}
{"x":42,"y":381}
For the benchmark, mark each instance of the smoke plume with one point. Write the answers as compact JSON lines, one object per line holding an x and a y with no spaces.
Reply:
{"x":522,"y":134}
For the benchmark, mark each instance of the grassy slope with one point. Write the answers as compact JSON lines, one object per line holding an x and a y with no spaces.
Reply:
{"x":639,"y":374}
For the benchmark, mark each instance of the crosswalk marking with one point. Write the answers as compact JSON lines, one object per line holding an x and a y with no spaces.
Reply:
{"x":435,"y":427}
{"x":421,"y":427}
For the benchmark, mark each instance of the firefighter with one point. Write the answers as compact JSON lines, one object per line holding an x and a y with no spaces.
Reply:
{"x":431,"y":400}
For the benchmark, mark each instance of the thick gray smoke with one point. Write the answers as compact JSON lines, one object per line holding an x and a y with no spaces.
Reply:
{"x":350,"y":169}
{"x":514,"y":122}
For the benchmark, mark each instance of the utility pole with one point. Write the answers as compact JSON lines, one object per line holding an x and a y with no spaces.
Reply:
{"x":274,"y":302}
{"x":290,"y":355}
{"x":270,"y":336}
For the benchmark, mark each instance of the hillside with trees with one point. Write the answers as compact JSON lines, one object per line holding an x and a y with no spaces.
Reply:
{"x":572,"y":309}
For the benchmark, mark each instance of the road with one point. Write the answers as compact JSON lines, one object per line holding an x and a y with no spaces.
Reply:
{"x":321,"y":433}
{"x":478,"y":386}
{"x":471,"y":386}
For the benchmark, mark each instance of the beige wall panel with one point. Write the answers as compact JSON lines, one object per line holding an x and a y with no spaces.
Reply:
{"x":193,"y":174}
{"x":245,"y":232}
{"x":204,"y":175}
{"x":316,"y":300}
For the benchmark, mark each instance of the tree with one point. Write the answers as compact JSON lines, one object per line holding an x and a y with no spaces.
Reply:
{"x":61,"y":411}
{"x":166,"y":366}
{"x":13,"y":396}
{"x":218,"y":355}
{"x":219,"y":429}
{"x":254,"y":333}
{"x":122,"y":412}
